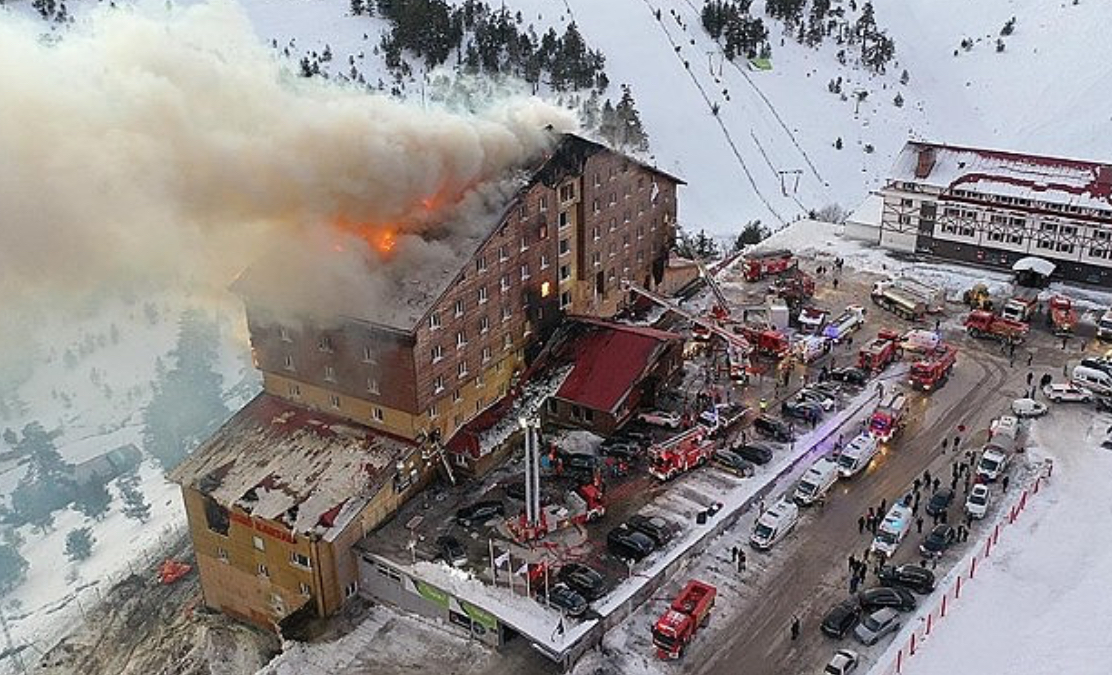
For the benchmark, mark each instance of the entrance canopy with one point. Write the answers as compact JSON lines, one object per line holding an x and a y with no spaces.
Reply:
{"x":1039,"y":266}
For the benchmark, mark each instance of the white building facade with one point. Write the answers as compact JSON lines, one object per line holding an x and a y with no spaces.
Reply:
{"x":992,"y":207}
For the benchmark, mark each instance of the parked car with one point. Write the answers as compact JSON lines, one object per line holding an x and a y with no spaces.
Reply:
{"x":734,"y":463}
{"x":877,"y":625}
{"x":803,"y":410}
{"x":625,"y":451}
{"x":771,"y":427}
{"x":1104,"y":403}
{"x":831,"y":389}
{"x":815,"y":395}
{"x":451,"y":551}
{"x":758,"y":453}
{"x":653,"y":527}
{"x":841,"y":619}
{"x":564,"y":598}
{"x":896,"y":597}
{"x":479,"y":513}
{"x":992,"y":463}
{"x":578,"y":461}
{"x":629,"y":544}
{"x":583,"y":580}
{"x":1028,"y":407}
{"x":661,"y":418}
{"x":938,"y":540}
{"x":1065,"y":392}
{"x":911,"y":577}
{"x":850,"y":375}
{"x":940,"y":500}
{"x":976,"y":504}
{"x":843,"y":662}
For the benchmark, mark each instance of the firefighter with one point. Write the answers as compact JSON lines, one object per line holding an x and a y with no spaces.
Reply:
{"x":763,"y":404}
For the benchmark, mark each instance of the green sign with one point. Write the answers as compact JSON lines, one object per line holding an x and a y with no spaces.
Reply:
{"x":433,"y":594}
{"x":479,"y":616}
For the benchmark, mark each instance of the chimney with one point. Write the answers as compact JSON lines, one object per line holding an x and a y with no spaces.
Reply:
{"x":926,"y":161}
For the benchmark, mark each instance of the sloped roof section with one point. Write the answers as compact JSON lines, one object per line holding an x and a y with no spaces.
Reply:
{"x":310,"y":471}
{"x":609,"y":360}
{"x":1054,"y":180}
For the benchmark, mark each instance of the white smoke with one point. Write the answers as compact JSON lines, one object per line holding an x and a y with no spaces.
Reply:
{"x":168,"y":140}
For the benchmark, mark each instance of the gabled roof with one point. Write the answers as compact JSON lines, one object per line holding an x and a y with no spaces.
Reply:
{"x":609,"y":360}
{"x":308,"y":470}
{"x":1055,"y":180}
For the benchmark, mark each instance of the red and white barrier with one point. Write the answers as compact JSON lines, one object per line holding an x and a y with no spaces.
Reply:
{"x":911,"y":639}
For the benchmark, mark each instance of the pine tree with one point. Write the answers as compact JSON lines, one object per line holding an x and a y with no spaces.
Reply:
{"x":135,"y":505}
{"x":898,"y":101}
{"x":631,"y":134}
{"x":79,"y":544}
{"x":357,"y":7}
{"x":838,"y":143}
{"x":92,"y":499}
{"x":752,"y":233}
{"x":13,"y":567}
{"x":905,"y":77}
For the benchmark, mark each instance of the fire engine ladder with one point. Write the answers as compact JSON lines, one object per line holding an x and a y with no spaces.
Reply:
{"x":732,"y":339}
{"x":431,"y":448}
{"x":714,"y":287}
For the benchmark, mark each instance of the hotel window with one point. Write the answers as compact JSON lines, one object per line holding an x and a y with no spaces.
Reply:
{"x":507,"y":312}
{"x":596,"y":232}
{"x":295,"y":390}
{"x":598,"y":179}
{"x":288,"y":362}
{"x":461,"y":368}
{"x":613,"y":224}
{"x":565,"y":246}
{"x":481,"y":264}
{"x":324,"y":344}
{"x":379,"y":414}
{"x":304,"y":588}
{"x":368,"y":354}
{"x":263,"y":571}
{"x":567,"y":192}
{"x":484,"y":324}
{"x":544,"y":261}
{"x":372,"y":386}
{"x":258,"y":542}
{"x":564,"y":220}
{"x":483,"y":296}
{"x":522,"y":211}
{"x":351,"y":589}
{"x":459,"y":307}
{"x":330,"y":373}
{"x":437,"y":353}
{"x":479,"y":380}
{"x":284,"y":334}
{"x":504,"y":284}
{"x":507,"y":341}
{"x":434,"y":411}
{"x":222,"y":554}
{"x":640,"y":231}
{"x":565,"y":299}
{"x":596,"y":258}
{"x":461,"y":340}
{"x":334,"y":400}
{"x":565,"y":272}
{"x":625,"y":216}
{"x":300,"y":560}
{"x":524,"y":243}
{"x":438,"y":384}
{"x":525,"y":271}
{"x":613,"y":198}
{"x":596,"y":206}
{"x":544,"y":202}
{"x":434,"y":321}
{"x":486,"y":354}
{"x":542,"y":231}
{"x":503,"y":255}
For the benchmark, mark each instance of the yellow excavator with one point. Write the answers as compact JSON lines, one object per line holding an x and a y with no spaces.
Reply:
{"x":978,"y":297}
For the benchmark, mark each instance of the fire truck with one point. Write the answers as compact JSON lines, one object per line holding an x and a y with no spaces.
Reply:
{"x":583,"y":505}
{"x":1063,"y":317}
{"x":982,"y":324}
{"x":678,"y":625}
{"x":932,"y":371}
{"x":680,"y":453}
{"x":879,"y":352}
{"x":769,"y":342}
{"x":1020,"y":308}
{"x":794,"y":287}
{"x":888,"y":418}
{"x":846,"y":323}
{"x":757,"y":266}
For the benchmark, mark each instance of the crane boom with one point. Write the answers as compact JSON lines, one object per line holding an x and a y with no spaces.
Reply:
{"x":732,"y":339}
{"x":714,"y":287}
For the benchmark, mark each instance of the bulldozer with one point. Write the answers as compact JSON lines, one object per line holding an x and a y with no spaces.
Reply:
{"x":978,"y":297}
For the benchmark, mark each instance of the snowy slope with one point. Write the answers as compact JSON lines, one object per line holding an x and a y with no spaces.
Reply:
{"x":1040,"y":605}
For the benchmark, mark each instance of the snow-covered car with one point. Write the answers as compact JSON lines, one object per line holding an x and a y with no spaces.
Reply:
{"x":976,"y":504}
{"x":451,"y":551}
{"x":661,"y":418}
{"x":843,"y":662}
{"x":1028,"y":407}
{"x":992,"y":463}
{"x":815,"y":395}
{"x":877,"y":625}
{"x":1061,"y":392}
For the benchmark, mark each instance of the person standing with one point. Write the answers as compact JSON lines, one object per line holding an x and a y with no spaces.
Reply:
{"x":1004,"y":483}
{"x":1030,"y":357}
{"x":741,"y":560}
{"x":861,"y":525}
{"x":919,"y":525}
{"x":733,"y":554}
{"x":795,"y":628}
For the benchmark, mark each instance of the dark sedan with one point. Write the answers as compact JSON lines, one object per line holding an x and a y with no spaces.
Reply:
{"x":938,"y":540}
{"x":734,"y":463}
{"x":940,"y":501}
{"x":773,"y":428}
{"x":583,"y":580}
{"x":758,"y":453}
{"x":479,"y":513}
{"x":911,"y":577}
{"x":854,"y":376}
{"x":841,"y":619}
{"x":629,"y":544}
{"x":653,"y":527}
{"x":565,"y":599}
{"x":802,"y":410}
{"x":896,"y":597}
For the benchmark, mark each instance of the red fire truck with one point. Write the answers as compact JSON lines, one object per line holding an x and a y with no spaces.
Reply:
{"x":879,"y":352}
{"x":1063,"y":317}
{"x":888,"y":418}
{"x":757,"y":266}
{"x":932,"y":371}
{"x":982,"y":324}
{"x":769,"y":342}
{"x":689,"y":612}
{"x":680,"y":453}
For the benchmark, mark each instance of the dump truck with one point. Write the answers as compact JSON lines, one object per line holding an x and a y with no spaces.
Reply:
{"x":932,"y":371}
{"x":678,"y":625}
{"x":847,"y":322}
{"x":1062,"y":316}
{"x":680,"y":453}
{"x":982,"y":324}
{"x":879,"y":352}
{"x":896,"y":297}
{"x":888,"y":418}
{"x":758,"y":265}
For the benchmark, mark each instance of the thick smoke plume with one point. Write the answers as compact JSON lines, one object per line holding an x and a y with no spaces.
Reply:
{"x":169,"y":140}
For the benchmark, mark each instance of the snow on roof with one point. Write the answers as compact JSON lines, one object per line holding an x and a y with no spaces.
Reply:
{"x":1036,"y":265}
{"x":1053,"y":180}
{"x":310,"y":471}
{"x":868,"y":211}
{"x":609,"y":361}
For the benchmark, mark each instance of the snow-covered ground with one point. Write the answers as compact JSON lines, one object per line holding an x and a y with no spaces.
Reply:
{"x":1039,"y":606}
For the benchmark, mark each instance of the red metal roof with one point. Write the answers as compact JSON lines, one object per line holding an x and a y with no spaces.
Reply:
{"x":609,"y":362}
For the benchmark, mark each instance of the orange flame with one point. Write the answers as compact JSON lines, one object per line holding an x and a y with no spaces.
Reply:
{"x":380,"y":238}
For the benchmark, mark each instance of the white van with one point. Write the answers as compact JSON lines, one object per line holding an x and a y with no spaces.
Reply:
{"x":1091,"y":378}
{"x":815,"y":483}
{"x":1004,"y":433}
{"x":992,"y":464}
{"x":774,"y":524}
{"x":892,"y":530}
{"x":919,"y":340}
{"x":857,"y":455}
{"x":810,"y":348}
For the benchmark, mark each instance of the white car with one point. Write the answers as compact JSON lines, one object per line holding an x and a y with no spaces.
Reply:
{"x":1028,"y":407}
{"x":815,"y":395}
{"x":992,"y":464}
{"x":661,"y":418}
{"x":1067,"y":392}
{"x":977,"y":503}
{"x":843,"y":662}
